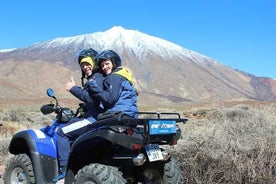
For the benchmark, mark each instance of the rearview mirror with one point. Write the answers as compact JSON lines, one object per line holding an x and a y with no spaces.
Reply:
{"x":50,"y":92}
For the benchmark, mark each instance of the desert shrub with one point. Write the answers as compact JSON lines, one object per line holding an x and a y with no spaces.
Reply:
{"x":4,"y":152}
{"x":9,"y":128}
{"x":235,"y":145}
{"x":25,"y":116}
{"x":12,"y":115}
{"x":234,"y":114}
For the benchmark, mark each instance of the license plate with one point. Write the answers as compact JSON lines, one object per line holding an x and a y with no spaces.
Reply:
{"x":162,"y":127}
{"x":154,"y":153}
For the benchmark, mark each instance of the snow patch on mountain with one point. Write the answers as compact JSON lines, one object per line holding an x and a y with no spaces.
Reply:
{"x":7,"y":50}
{"x":139,"y":43}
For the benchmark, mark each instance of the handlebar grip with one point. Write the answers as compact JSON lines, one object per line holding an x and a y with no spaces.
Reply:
{"x":47,"y":109}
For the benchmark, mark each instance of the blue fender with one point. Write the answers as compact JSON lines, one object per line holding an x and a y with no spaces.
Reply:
{"x":40,"y":145}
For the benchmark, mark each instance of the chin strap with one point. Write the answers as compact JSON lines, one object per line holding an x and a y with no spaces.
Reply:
{"x":82,"y":81}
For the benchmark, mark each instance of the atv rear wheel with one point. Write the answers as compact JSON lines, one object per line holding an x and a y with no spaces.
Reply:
{"x":19,"y":169}
{"x":172,"y":173}
{"x":158,"y":173}
{"x":99,"y":174}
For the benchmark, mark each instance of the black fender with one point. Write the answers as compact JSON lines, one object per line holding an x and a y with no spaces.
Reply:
{"x":92,"y":142}
{"x":42,"y":151}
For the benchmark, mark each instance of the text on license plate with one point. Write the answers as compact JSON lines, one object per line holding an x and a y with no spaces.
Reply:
{"x":154,"y":153}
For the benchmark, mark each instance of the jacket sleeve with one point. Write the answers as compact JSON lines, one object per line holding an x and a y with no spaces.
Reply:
{"x":81,"y":93}
{"x":110,"y":92}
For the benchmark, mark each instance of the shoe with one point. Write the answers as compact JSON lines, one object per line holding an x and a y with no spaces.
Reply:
{"x":61,"y":175}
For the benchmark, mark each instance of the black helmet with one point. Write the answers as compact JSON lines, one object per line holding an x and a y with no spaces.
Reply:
{"x":87,"y":53}
{"x":111,"y":55}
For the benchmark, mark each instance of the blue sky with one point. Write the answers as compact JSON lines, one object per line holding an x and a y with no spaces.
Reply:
{"x":238,"y":33}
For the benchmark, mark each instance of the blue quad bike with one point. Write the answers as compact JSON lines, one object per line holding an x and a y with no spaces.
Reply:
{"x":112,"y":150}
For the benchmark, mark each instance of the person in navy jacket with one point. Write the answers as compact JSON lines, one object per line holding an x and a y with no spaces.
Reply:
{"x":118,"y":93}
{"x":92,"y":107}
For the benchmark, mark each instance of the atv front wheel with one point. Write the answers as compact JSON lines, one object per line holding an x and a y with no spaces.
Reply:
{"x":99,"y":174}
{"x":19,"y":169}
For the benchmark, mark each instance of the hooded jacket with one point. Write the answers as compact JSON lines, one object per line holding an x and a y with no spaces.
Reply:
{"x":118,"y":93}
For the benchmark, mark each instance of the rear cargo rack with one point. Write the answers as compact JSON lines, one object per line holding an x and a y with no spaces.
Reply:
{"x":144,"y":119}
{"x":161,"y":115}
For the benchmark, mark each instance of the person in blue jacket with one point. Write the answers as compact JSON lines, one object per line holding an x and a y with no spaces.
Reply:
{"x":118,"y":93}
{"x":92,"y":107}
{"x":90,"y":71}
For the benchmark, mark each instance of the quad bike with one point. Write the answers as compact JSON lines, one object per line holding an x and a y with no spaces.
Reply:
{"x":112,"y":150}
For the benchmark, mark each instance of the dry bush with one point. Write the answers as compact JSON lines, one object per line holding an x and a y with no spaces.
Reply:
{"x":4,"y":152}
{"x":9,"y":128}
{"x":232,"y":145}
{"x":28,"y":117}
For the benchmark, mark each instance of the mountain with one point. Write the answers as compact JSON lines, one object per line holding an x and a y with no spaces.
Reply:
{"x":165,"y":72}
